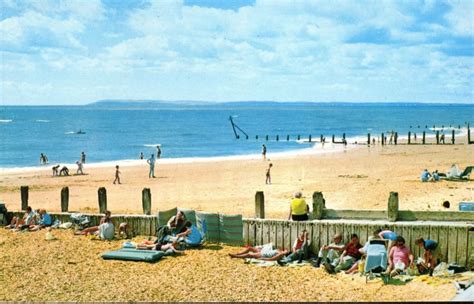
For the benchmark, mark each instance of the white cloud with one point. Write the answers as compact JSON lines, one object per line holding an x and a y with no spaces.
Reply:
{"x":461,"y":17}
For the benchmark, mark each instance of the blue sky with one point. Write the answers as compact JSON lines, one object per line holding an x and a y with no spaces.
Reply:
{"x":76,"y":52}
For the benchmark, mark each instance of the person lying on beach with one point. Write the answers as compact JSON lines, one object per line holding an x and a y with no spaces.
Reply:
{"x":149,"y":245}
{"x":299,"y":251}
{"x":349,"y":256}
{"x":330,"y":253}
{"x":399,"y":258}
{"x":27,"y":221}
{"x":64,"y":171}
{"x":94,"y":229}
{"x":264,"y":253}
{"x":43,"y":222}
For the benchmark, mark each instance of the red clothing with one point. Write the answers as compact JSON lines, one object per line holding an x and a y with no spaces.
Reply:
{"x":353,"y":250}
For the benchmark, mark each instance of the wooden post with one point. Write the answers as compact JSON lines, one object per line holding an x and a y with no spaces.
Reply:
{"x":259,"y":205}
{"x":309,"y":137}
{"x":65,"y":199}
{"x":146,"y":201}
{"x":299,"y":137}
{"x":437,"y":137}
{"x":468,"y":135}
{"x":24,"y":197}
{"x":318,"y":205}
{"x":102,"y":199}
{"x":256,"y":137}
{"x":368,"y":139}
{"x":333,"y":137}
{"x":266,"y":138}
{"x":278,"y":138}
{"x":424,"y":137}
{"x":395,"y":138}
{"x":409,"y":137}
{"x":321,"y":138}
{"x":392,"y":211}
{"x":287,"y":137}
{"x":383,"y":139}
{"x":452,"y":137}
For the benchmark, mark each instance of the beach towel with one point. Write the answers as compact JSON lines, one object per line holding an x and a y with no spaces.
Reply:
{"x":377,"y":258}
{"x":126,"y":254}
{"x":212,"y":223}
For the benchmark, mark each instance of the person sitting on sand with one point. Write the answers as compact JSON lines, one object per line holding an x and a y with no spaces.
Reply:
{"x":299,"y":209}
{"x":299,"y":251}
{"x":55,"y":170}
{"x":177,"y":222}
{"x":94,"y":229}
{"x":43,"y":222}
{"x":330,"y":253}
{"x":435,"y":176}
{"x":399,"y":258}
{"x":27,"y":221}
{"x":64,"y":171}
{"x":425,"y":176}
{"x":349,"y":256}
{"x":375,"y":236}
{"x":106,"y":230}
{"x":432,"y":252}
{"x":453,"y":171}
{"x":264,"y":253}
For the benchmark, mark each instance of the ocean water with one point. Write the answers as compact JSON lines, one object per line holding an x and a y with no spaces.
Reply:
{"x":119,"y":132}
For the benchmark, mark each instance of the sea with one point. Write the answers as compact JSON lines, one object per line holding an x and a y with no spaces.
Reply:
{"x":111,"y":131}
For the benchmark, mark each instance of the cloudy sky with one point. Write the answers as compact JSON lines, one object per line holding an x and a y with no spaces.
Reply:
{"x":76,"y":52}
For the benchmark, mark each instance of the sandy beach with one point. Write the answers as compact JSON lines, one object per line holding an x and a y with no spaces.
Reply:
{"x":359,"y":177}
{"x":71,"y":269}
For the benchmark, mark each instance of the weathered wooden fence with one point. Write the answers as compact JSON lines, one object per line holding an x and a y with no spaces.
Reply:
{"x":456,"y":239}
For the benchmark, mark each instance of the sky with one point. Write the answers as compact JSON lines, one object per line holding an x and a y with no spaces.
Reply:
{"x":75,"y":52}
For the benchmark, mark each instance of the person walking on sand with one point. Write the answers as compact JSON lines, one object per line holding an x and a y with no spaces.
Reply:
{"x":151,"y":161}
{"x":83,"y":157}
{"x":79,"y":168}
{"x":264,"y":152}
{"x":117,"y":175}
{"x":268,"y":179}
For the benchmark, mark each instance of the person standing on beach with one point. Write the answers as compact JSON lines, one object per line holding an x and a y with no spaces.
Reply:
{"x":117,"y":175}
{"x":268,"y":179}
{"x":83,"y":157}
{"x":141,"y":155}
{"x":43,"y":159}
{"x":151,"y":161}
{"x":79,"y":167}
{"x":158,"y":152}
{"x":264,"y":152}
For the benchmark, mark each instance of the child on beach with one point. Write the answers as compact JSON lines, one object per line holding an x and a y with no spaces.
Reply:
{"x":268,"y":179}
{"x":117,"y":175}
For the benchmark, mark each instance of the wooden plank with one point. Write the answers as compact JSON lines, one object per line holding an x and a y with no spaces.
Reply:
{"x":266,"y":232}
{"x":443,"y":241}
{"x":245,"y":233}
{"x":279,"y":228}
{"x":294,"y":233}
{"x":323,"y":234}
{"x":415,"y":233}
{"x":259,"y":233}
{"x":462,"y":246}
{"x":252,"y":233}
{"x":452,"y":245}
{"x":316,"y":237}
{"x":286,"y":235}
{"x":364,"y":233}
{"x":471,"y":249}
{"x":309,"y":229}
{"x":273,"y":234}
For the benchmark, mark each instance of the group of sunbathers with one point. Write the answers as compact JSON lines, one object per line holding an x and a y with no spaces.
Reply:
{"x":337,"y":256}
{"x":175,"y":236}
{"x":31,"y":220}
{"x":453,"y":173}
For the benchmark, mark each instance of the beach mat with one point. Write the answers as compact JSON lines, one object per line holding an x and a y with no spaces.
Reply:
{"x":231,"y":229}
{"x":212,"y":224}
{"x":126,"y":254}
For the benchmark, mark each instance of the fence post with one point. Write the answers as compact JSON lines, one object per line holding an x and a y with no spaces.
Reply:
{"x":424,"y":137}
{"x":24,"y":197}
{"x":259,"y":205}
{"x":65,"y":199}
{"x":368,"y":138}
{"x":395,"y":138}
{"x":318,"y":205}
{"x":392,"y":211}
{"x":383,"y":139}
{"x":409,"y":137}
{"x":102,"y":192}
{"x":452,"y":137}
{"x":437,"y":137}
{"x":146,"y":201}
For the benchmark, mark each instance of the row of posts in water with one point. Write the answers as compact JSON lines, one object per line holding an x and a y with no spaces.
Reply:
{"x":440,"y":138}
